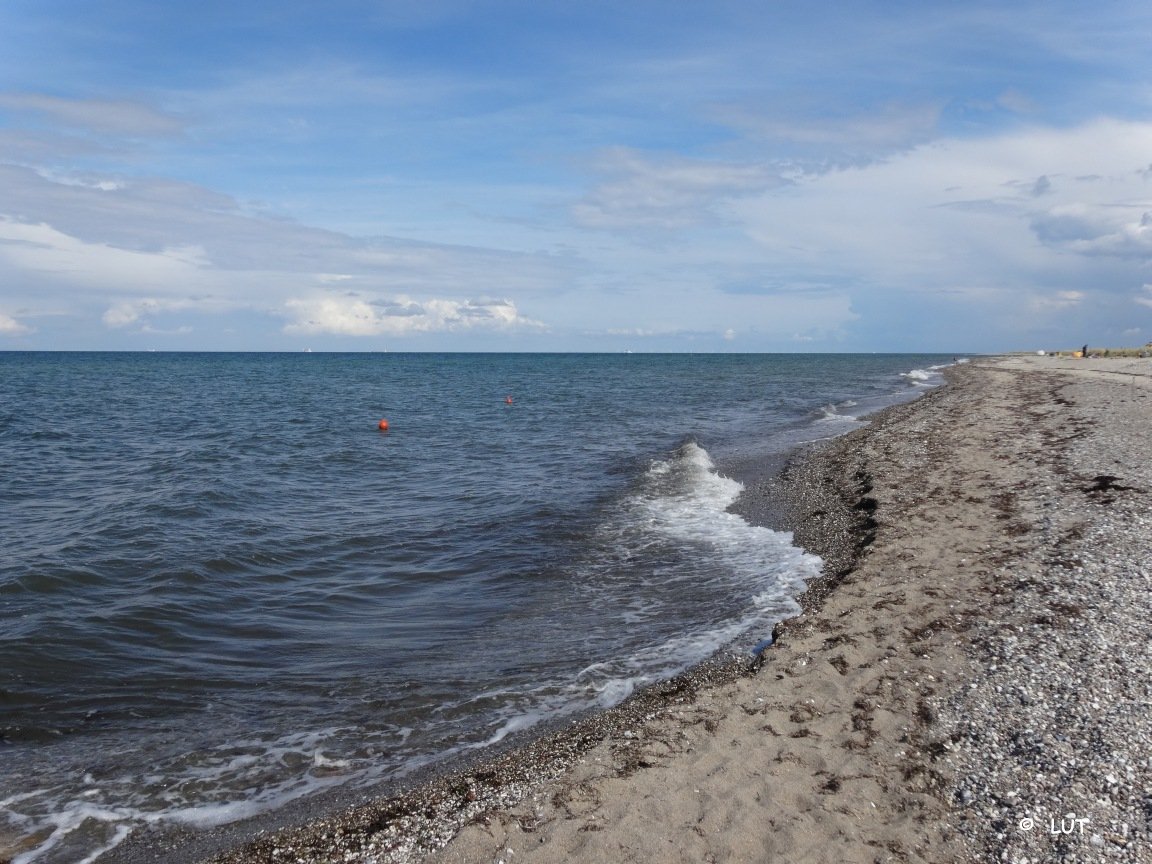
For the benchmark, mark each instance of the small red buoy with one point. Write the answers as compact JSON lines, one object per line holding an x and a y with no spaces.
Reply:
{"x":507,"y":400}
{"x":382,"y":426}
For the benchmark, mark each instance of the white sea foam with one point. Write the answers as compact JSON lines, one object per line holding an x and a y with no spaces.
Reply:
{"x":930,"y":377}
{"x":676,"y":516}
{"x":834,"y":413}
{"x":679,"y":510}
{"x":738,"y":577}
{"x":694,"y":506}
{"x":76,"y":816}
{"x":238,"y":779}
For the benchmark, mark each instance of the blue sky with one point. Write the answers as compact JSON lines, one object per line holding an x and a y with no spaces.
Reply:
{"x":593,"y":176}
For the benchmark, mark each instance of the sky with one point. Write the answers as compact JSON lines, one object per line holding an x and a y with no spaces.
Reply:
{"x":533,"y":175}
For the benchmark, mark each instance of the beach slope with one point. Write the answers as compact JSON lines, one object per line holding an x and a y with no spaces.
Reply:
{"x":980,"y":674}
{"x":969,"y":682}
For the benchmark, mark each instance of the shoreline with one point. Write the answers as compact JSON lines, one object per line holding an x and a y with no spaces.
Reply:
{"x":905,"y":714}
{"x":423,"y":813}
{"x":978,"y":681}
{"x":425,"y":807}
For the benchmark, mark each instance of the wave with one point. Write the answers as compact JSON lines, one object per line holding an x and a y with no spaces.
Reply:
{"x":667,"y":546}
{"x":232,"y":780}
{"x":672,"y":544}
{"x":667,"y":579}
{"x":933,"y":376}
{"x":833,"y":413}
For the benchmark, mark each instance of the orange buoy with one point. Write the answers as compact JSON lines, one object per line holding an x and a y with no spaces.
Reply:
{"x":507,"y":400}
{"x":382,"y":425}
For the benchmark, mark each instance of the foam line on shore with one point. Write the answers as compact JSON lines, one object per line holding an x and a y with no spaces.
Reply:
{"x":903,"y":712}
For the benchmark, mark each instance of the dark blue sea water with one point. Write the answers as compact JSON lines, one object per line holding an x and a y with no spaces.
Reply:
{"x":222,"y":587}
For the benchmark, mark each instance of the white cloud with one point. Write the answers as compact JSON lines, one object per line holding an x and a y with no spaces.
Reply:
{"x":960,"y":212}
{"x":132,"y":252}
{"x":402,"y":316}
{"x":139,"y":286}
{"x":638,"y":332}
{"x":1115,"y":229}
{"x":148,"y":215}
{"x":41,"y":249}
{"x":9,"y":326}
{"x":140,"y":311}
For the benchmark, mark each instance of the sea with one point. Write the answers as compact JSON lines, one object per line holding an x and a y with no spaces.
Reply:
{"x":224,"y":588}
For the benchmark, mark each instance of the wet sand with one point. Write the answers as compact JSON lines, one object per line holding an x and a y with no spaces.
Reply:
{"x":971,"y":671}
{"x":974,"y":686}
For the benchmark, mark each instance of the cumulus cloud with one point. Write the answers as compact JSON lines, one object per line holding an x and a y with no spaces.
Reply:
{"x":402,"y":316}
{"x":961,"y":210}
{"x":128,"y":252}
{"x":142,"y":310}
{"x":9,"y":326}
{"x":1100,"y":229}
{"x":948,"y":237}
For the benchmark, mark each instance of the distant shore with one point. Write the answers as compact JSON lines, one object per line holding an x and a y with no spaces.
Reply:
{"x":971,"y":670}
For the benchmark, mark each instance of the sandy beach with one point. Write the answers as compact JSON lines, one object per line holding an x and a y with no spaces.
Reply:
{"x":969,"y":681}
{"x":975,"y":688}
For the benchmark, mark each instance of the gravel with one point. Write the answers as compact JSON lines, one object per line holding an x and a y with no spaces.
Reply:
{"x":1051,"y":738}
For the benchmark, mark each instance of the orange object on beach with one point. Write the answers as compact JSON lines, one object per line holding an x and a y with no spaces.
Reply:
{"x":382,"y":425}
